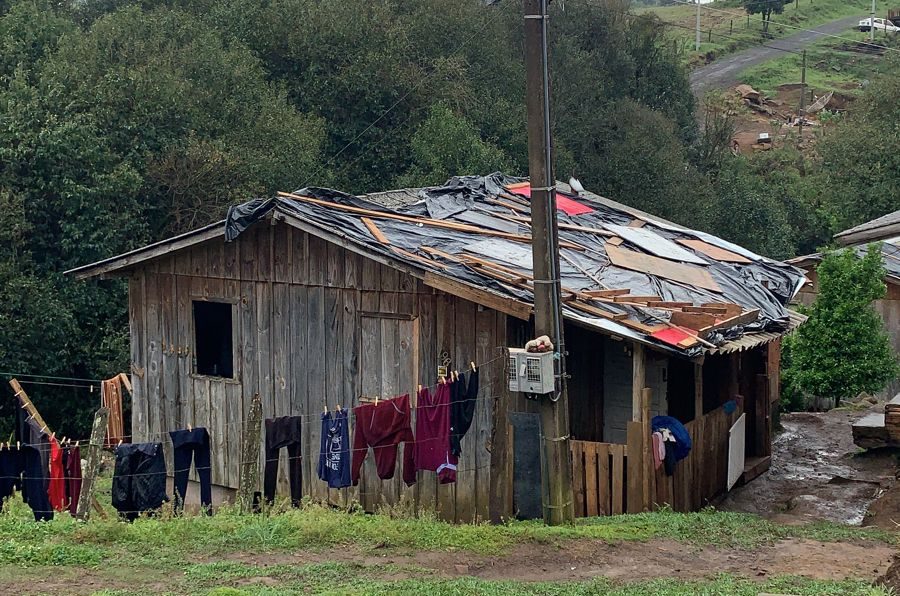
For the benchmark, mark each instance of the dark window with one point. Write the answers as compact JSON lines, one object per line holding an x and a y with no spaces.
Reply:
{"x":212,"y":329}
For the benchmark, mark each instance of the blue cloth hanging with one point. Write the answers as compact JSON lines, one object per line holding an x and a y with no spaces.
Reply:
{"x":682,"y":438}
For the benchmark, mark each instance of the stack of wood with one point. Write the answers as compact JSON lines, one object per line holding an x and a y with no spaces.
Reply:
{"x":879,"y":429}
{"x":892,"y":419}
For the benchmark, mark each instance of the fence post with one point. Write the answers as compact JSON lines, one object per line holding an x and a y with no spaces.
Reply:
{"x":92,"y":467}
{"x":731,"y":26}
{"x":250,"y":455}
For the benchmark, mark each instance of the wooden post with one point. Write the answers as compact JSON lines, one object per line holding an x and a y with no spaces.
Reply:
{"x":646,"y":455}
{"x":698,"y":391}
{"x":638,"y":380}
{"x":98,"y":432}
{"x":499,"y":507}
{"x":28,"y":405}
{"x":250,"y":455}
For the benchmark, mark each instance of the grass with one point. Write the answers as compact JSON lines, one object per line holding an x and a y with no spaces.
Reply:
{"x":231,"y":553}
{"x":727,"y":21}
{"x":831,"y":65}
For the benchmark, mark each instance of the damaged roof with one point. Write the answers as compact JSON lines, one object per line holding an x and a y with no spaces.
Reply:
{"x":623,"y":271}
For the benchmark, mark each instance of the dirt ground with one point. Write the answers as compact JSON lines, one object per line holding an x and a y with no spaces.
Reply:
{"x":783,"y":106}
{"x":632,"y":561}
{"x":818,"y":473}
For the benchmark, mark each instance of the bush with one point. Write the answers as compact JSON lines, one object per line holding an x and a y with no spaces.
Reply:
{"x":843,"y":349}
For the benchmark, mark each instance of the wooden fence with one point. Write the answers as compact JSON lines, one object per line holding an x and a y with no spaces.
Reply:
{"x":609,"y":479}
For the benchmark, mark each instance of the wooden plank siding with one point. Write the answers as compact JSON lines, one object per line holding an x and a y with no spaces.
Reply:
{"x":298,"y":309}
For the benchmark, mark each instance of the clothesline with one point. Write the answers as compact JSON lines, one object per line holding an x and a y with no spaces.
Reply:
{"x":165,"y":434}
{"x":240,"y":463}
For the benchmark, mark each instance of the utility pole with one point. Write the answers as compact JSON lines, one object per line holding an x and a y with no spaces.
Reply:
{"x":872,"y":23}
{"x":802,"y":96}
{"x":697,"y":36}
{"x":557,"y":471}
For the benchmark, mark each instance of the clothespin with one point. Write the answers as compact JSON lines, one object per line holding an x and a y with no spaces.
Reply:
{"x":376,"y":400}
{"x":120,"y":444}
{"x":338,"y":407}
{"x":472,"y":364}
{"x":325,"y":407}
{"x":63,"y":442}
{"x":189,"y":428}
{"x":52,"y":435}
{"x":420,"y":389}
{"x":90,"y":388}
{"x":18,"y":445}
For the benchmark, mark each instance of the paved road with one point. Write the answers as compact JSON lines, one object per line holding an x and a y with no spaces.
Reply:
{"x":724,"y":72}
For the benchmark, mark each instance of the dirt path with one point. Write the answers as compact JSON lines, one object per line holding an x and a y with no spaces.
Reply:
{"x":817,"y":473}
{"x":724,"y":72}
{"x":626,"y":561}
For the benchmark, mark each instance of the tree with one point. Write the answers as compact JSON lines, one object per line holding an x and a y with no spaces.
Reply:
{"x":766,"y":8}
{"x":446,"y":145}
{"x":843,"y":348}
{"x":861,"y":155}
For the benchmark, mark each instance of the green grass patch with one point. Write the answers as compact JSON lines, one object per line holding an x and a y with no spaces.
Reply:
{"x":731,"y":32}
{"x":830,"y":66}
{"x":167,"y":542}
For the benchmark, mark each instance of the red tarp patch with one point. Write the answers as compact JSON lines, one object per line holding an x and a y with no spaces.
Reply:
{"x":671,"y":336}
{"x":563,"y":203}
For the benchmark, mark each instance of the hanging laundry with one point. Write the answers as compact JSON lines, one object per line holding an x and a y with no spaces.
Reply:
{"x":57,"y":490}
{"x":383,"y":427}
{"x":283,"y":432}
{"x":659,"y":450}
{"x":670,"y":460}
{"x":111,"y":398}
{"x":139,"y":479}
{"x":334,"y":449}
{"x":29,"y":432}
{"x":23,"y":468}
{"x":462,"y":410}
{"x":432,"y":451}
{"x":72,"y":469}
{"x":679,"y":432}
{"x":10,"y":472}
{"x":187,"y":446}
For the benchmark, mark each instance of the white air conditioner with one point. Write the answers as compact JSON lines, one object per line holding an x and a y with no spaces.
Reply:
{"x":531,"y":372}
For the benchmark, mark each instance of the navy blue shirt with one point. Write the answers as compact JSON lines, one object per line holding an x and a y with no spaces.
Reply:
{"x":334,"y":452}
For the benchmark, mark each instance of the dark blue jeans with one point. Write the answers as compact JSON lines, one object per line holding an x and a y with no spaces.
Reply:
{"x":192,"y":445}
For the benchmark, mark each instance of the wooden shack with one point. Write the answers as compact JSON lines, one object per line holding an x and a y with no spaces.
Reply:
{"x":311,"y":313}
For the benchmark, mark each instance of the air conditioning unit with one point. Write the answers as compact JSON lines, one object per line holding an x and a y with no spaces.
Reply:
{"x":531,"y":372}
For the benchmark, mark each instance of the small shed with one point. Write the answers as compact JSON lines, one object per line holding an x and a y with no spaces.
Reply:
{"x":319,"y":297}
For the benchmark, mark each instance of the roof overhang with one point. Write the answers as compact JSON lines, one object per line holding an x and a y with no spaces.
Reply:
{"x":119,"y":265}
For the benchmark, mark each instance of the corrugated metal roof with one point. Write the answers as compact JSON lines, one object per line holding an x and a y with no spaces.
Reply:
{"x":753,"y":340}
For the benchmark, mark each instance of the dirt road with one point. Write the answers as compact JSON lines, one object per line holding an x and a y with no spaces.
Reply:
{"x":818,"y":473}
{"x":724,"y":72}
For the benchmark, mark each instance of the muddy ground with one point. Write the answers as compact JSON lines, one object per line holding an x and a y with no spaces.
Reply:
{"x":818,"y":473}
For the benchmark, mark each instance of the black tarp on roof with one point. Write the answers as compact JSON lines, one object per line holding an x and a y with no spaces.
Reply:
{"x":478,"y":201}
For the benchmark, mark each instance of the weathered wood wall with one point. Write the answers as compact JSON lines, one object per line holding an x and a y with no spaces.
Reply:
{"x":314,"y":324}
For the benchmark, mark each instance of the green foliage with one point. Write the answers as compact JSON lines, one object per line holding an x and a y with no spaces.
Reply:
{"x":843,"y":348}
{"x":446,"y":145}
{"x":861,"y":154}
{"x":766,"y":8}
{"x":144,"y":124}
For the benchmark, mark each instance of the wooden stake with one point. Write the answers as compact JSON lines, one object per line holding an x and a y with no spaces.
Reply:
{"x":249,"y":479}
{"x":92,"y":468}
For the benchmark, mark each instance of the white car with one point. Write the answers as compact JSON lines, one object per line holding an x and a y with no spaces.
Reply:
{"x":880,"y":25}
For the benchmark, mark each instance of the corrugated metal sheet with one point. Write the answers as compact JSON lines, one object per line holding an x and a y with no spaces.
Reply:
{"x":752,"y":340}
